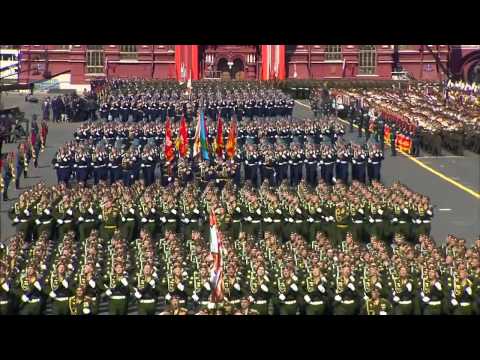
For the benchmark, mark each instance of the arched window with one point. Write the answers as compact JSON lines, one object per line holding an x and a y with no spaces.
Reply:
{"x":367,"y":60}
{"x":128,"y":52}
{"x":333,"y":52}
{"x":95,"y":59}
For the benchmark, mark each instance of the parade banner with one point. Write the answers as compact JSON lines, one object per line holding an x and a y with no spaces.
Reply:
{"x":182,"y":138}
{"x":219,"y":142}
{"x":232,"y":140}
{"x":169,"y":151}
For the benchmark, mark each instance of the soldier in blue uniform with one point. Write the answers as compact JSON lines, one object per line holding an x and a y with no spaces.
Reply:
{"x":343,"y":158}
{"x":327,"y":162}
{"x":81,"y":166}
{"x":99,"y":164}
{"x":359,"y":156}
{"x":375,"y":159}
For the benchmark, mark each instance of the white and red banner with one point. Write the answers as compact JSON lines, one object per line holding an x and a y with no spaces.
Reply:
{"x":216,"y":248}
{"x":273,"y":62}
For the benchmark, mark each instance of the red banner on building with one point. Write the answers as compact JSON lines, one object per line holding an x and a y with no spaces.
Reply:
{"x":273,"y":62}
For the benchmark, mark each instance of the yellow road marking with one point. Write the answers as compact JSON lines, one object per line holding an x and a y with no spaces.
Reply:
{"x":419,"y":163}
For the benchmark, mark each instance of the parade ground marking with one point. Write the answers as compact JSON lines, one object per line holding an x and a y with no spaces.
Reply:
{"x":426,"y":167}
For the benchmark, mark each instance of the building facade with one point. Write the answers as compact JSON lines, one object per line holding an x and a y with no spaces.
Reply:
{"x":78,"y":64}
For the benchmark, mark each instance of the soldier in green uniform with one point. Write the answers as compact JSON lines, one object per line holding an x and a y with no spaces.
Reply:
{"x":260,"y":290}
{"x":346,"y":293}
{"x":432,"y":294}
{"x":110,"y":220}
{"x":404,"y":289}
{"x":5,"y":291}
{"x":60,"y":290}
{"x":79,"y":304}
{"x":146,"y":291}
{"x":64,"y":217}
{"x":316,"y":292}
{"x":129,"y":215}
{"x":21,"y":216}
{"x":118,"y":291}
{"x":32,"y":292}
{"x":376,"y":305}
{"x":287,"y":293}
{"x":463,"y":295}
{"x":245,"y":308}
{"x":87,"y":218}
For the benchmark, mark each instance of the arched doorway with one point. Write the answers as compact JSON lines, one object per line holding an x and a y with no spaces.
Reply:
{"x":474,"y":72}
{"x":238,"y":70}
{"x":223,"y":69}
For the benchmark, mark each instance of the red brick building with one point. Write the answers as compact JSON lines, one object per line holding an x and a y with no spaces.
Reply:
{"x":81,"y":63}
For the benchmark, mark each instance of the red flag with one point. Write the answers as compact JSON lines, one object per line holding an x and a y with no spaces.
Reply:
{"x":219,"y":149}
{"x":182,"y":139}
{"x":232,"y":140}
{"x":169,"y":152}
{"x":216,"y":248}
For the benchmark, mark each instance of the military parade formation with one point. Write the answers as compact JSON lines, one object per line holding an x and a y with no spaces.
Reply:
{"x":306,"y":224}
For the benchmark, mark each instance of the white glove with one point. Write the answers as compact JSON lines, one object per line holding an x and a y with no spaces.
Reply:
{"x":409,"y":287}
{"x":251,"y":299}
{"x":338,"y":298}
{"x":370,"y":220}
{"x":259,"y":212}
{"x":395,"y":219}
{"x":153,"y":211}
{"x":108,"y":292}
{"x":124,"y":282}
{"x":26,"y":212}
{"x":361,"y":211}
{"x":180,"y":286}
{"x":144,"y":220}
{"x":195,"y":297}
{"x":46,"y":211}
{"x":100,"y":217}
{"x":37,"y":222}
{"x":132,"y":211}
{"x":5,"y":287}
{"x":236,"y":287}
{"x":396,"y":299}
{"x":86,"y":311}
{"x":207,"y":286}
{"x":186,"y":221}
{"x":168,"y":297}
{"x":281,"y":297}
{"x":152,"y":283}
{"x":310,"y":220}
{"x":454,"y":302}
{"x":469,"y":290}
{"x":380,"y":211}
{"x":52,"y":294}
{"x":321,"y":288}
{"x":195,"y":211}
{"x":382,"y":313}
{"x":249,"y":218}
{"x":294,"y":287}
{"x":264,"y":288}
{"x":37,"y":285}
{"x":69,"y":212}
{"x":92,"y":283}
{"x":16,"y":219}
{"x":25,"y":298}
{"x":426,"y":299}
{"x":290,"y":220}
{"x":138,"y":295}
{"x":278,"y":211}
{"x":81,"y":218}
{"x":123,"y":218}
{"x":163,"y":218}
{"x":173,"y":211}
{"x":65,"y":283}
{"x":438,"y":286}
{"x":307,"y":298}
{"x":60,"y":221}
{"x":298,"y":211}
{"x":90,"y":210}
{"x":405,"y":211}
{"x":351,"y":287}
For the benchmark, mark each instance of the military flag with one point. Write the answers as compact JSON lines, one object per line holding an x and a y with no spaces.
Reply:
{"x":219,"y":143}
{"x":232,"y":140}
{"x":169,"y":150}
{"x":182,"y":138}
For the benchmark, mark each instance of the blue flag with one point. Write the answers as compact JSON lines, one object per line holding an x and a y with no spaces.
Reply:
{"x":203,"y":137}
